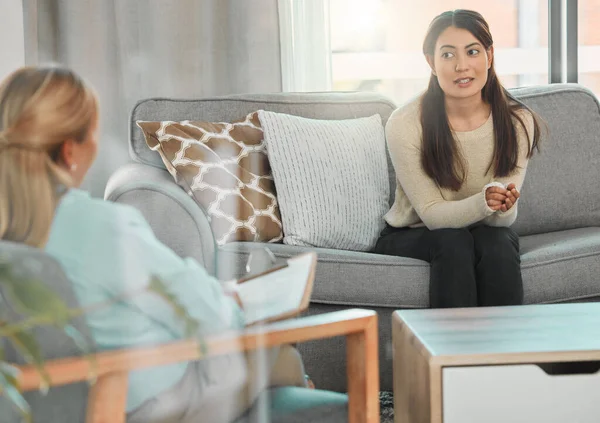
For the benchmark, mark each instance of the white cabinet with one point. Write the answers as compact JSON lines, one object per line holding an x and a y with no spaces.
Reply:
{"x":518,"y":393}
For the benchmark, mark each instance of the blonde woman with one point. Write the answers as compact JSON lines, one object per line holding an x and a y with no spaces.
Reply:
{"x":48,"y":141}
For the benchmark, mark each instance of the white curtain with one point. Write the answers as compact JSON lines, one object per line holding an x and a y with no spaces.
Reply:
{"x":135,"y":49}
{"x":305,"y":45}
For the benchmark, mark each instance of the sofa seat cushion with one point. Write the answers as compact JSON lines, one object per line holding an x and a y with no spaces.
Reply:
{"x":556,"y":267}
{"x":561,"y":266}
{"x":346,"y":277}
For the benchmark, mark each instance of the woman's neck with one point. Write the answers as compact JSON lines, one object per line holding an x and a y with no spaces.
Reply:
{"x":466,"y":114}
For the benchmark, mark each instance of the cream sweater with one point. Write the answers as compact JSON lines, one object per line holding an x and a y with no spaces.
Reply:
{"x":420,"y":201}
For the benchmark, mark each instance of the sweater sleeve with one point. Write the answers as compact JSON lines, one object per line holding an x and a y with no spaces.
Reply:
{"x":506,"y":219}
{"x":404,"y":143}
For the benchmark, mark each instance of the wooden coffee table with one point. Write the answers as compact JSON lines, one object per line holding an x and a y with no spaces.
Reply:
{"x":529,"y":364}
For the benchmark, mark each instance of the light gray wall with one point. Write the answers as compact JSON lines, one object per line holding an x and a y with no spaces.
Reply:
{"x":135,"y":49}
{"x":11,"y":36}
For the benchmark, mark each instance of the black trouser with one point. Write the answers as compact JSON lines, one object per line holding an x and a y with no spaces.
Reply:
{"x":469,"y":267}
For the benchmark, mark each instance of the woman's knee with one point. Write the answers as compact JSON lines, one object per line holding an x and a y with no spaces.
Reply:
{"x":493,"y":232}
{"x":501,"y":242}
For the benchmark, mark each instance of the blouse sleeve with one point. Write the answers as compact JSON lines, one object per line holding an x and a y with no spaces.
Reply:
{"x":143,"y":256}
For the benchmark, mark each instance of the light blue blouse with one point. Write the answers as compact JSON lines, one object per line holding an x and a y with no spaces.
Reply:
{"x":107,"y":249}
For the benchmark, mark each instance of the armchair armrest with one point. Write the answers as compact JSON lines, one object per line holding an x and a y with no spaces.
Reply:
{"x":175,"y":218}
{"x":107,"y":399}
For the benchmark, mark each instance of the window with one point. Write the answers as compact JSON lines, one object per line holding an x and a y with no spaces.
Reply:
{"x":376,"y":44}
{"x":589,"y":44}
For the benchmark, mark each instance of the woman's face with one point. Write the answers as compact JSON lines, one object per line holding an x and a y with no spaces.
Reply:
{"x":460,"y":63}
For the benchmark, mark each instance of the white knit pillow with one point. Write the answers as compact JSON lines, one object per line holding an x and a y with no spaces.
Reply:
{"x":331,"y":178}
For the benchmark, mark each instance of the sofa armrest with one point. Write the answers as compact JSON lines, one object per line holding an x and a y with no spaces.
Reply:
{"x":107,"y":399}
{"x":176,"y":219}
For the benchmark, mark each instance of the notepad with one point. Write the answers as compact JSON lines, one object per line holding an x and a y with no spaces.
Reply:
{"x":278,"y":293}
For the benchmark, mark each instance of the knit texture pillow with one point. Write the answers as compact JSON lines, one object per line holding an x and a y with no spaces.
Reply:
{"x":331,"y":177}
{"x":224,"y":167}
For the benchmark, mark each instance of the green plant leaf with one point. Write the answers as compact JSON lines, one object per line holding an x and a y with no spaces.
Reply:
{"x":158,"y":287}
{"x":40,"y":306}
{"x":26,"y":344}
{"x":84,"y":346}
{"x":191,"y":325}
{"x":32,"y":297}
{"x":10,"y":372}
{"x":9,"y":388}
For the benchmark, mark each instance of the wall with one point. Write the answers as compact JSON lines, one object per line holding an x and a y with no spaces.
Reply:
{"x":12,"y":46}
{"x":135,"y":49}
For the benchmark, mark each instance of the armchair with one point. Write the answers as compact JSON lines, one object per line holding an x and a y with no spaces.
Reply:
{"x":107,"y":397}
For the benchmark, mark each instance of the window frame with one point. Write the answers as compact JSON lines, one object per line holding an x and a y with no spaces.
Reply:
{"x":306,"y":53}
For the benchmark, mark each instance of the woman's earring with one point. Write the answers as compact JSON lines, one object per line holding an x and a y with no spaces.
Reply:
{"x":73,"y":167}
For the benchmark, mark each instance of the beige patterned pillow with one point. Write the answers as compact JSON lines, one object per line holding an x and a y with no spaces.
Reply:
{"x":224,"y":167}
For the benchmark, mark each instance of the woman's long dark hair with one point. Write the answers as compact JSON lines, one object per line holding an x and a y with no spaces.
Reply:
{"x":440,"y":156}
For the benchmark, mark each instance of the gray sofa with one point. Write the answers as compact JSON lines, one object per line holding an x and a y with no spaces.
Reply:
{"x":559,"y":212}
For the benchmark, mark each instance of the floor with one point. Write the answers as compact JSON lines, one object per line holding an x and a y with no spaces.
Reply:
{"x":386,"y":405}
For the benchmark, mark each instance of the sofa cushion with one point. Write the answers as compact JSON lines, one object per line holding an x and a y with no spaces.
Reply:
{"x":225,"y":168}
{"x":331,"y":178}
{"x":556,"y":267}
{"x":561,"y":189}
{"x":346,"y":277}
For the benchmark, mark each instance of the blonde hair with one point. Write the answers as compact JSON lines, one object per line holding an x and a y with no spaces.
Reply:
{"x":40,"y":108}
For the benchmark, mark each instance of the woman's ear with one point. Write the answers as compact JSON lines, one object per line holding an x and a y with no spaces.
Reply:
{"x":431,"y":63}
{"x":66,"y":153}
{"x":490,"y":54}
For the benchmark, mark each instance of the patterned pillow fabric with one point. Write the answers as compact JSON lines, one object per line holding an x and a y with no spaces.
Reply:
{"x":224,"y":167}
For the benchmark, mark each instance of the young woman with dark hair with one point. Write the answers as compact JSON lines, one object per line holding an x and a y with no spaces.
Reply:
{"x":460,"y":152}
